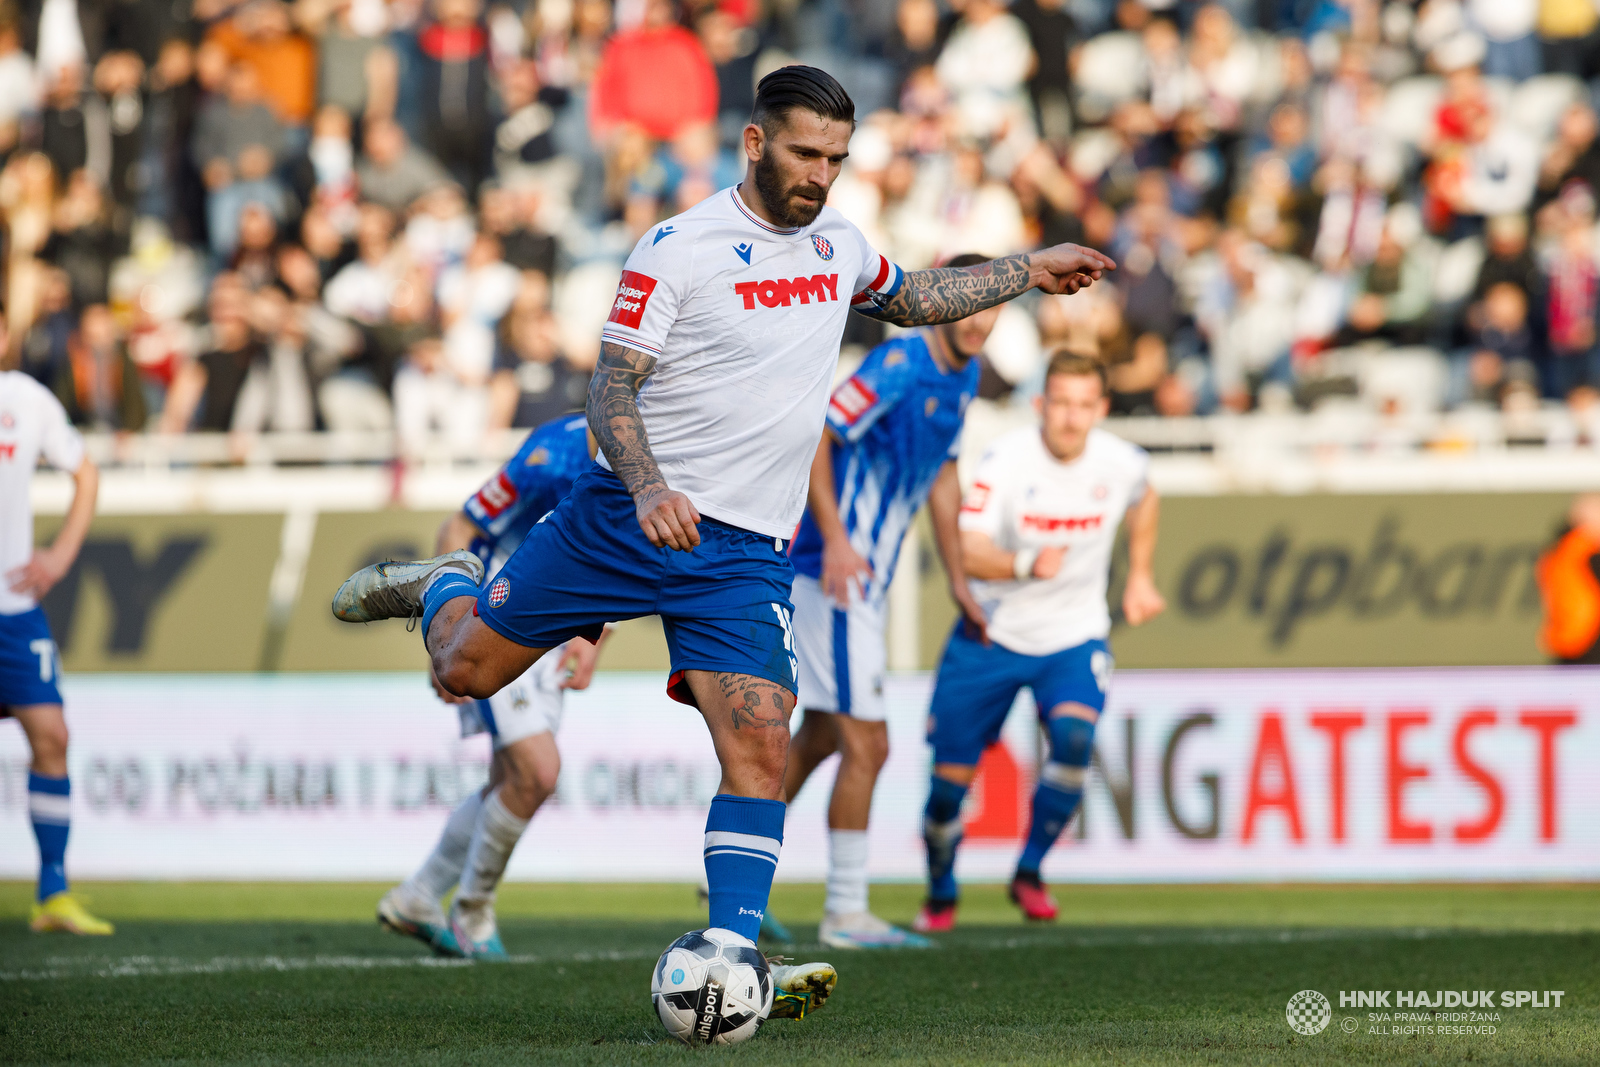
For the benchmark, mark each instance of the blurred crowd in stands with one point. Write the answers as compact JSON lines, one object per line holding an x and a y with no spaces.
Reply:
{"x":409,"y":216}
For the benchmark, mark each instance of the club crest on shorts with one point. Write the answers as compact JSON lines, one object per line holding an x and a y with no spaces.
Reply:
{"x":823,"y":246}
{"x":499,"y":592}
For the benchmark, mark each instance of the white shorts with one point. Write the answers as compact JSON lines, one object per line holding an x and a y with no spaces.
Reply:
{"x":530,"y":705}
{"x":842,"y":653}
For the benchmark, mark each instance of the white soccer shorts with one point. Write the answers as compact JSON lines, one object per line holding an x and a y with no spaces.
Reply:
{"x":530,"y":705}
{"x":842,"y":653}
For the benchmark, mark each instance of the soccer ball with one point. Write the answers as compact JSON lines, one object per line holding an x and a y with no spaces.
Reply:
{"x":712,"y":987}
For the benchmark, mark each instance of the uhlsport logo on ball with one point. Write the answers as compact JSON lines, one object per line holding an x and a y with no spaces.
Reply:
{"x":1308,"y":1012}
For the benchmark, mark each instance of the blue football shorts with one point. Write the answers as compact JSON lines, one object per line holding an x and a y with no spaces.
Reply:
{"x":724,"y":606}
{"x":30,"y":666}
{"x":977,"y":684}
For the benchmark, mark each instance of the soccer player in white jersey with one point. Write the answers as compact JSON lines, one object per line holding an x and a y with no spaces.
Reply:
{"x":33,"y":426}
{"x":890,"y":443}
{"x":714,"y":374}
{"x":1037,"y":530}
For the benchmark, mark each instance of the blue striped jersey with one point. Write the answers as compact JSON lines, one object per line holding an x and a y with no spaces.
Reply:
{"x":525,"y":489}
{"x":897,"y":420}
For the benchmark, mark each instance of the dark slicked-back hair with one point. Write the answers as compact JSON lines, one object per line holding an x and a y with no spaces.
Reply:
{"x":965,"y":259}
{"x":789,"y":88}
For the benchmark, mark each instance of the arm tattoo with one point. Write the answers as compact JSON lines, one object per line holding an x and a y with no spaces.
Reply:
{"x":756,"y":702}
{"x":614,"y":417}
{"x":945,"y":294}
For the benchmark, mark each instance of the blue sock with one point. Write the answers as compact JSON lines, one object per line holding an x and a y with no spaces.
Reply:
{"x":49,"y":802}
{"x":445,"y":588}
{"x":1060,"y":788}
{"x":941,"y":832}
{"x":743,"y":838}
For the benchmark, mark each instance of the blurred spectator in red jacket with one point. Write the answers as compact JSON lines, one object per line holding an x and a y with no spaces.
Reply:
{"x":655,"y":76}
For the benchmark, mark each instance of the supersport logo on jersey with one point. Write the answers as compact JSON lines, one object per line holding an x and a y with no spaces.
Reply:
{"x":496,"y":495}
{"x":852,"y":400}
{"x":633,"y":293}
{"x":824,"y":287}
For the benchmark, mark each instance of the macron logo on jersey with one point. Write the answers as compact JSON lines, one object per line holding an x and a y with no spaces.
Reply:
{"x":1054,"y":523}
{"x":824,"y":287}
{"x":852,"y":400}
{"x":633,"y":293}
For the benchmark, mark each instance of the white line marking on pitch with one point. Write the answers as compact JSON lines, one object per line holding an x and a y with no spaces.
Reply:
{"x":58,"y":967}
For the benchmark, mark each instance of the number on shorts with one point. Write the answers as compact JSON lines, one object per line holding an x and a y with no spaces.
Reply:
{"x":45,"y":649}
{"x":1100,"y":667}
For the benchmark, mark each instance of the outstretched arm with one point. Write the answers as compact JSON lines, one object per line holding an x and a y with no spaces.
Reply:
{"x":667,"y":517}
{"x":945,"y":294}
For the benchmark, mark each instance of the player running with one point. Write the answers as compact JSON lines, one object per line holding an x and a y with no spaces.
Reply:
{"x":1037,"y":529}
{"x":889,"y":444}
{"x":522,"y":718}
{"x":33,"y":425}
{"x":714,"y":375}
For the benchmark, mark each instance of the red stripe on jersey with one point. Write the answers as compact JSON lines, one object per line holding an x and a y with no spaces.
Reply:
{"x":633,"y":293}
{"x":852,"y":400}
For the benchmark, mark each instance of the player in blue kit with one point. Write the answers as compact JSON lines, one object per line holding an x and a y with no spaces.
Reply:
{"x":890,"y":443}
{"x":522,"y":718}
{"x":714,"y":376}
{"x":1037,"y":531}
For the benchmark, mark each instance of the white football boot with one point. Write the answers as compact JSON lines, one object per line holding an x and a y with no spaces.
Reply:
{"x":393,"y":589}
{"x":800,"y":989}
{"x":863,"y":929}
{"x":477,"y":935}
{"x":414,"y":915}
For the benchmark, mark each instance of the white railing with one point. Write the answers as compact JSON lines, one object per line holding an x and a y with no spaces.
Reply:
{"x":1351,"y":431}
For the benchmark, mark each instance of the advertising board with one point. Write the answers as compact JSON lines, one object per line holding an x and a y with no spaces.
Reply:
{"x":1198,"y":775}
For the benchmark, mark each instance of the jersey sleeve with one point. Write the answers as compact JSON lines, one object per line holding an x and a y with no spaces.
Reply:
{"x":653,"y":286}
{"x":60,"y":443}
{"x":864,"y":397}
{"x":984,"y":505}
{"x":497,"y":503}
{"x":879,"y":279}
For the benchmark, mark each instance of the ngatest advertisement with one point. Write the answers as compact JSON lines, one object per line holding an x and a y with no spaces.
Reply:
{"x":1197,"y":775}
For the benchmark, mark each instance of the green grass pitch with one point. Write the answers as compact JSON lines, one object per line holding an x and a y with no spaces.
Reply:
{"x":258,"y":974}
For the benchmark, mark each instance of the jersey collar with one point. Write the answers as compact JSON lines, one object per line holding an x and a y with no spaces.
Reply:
{"x":738,"y":202}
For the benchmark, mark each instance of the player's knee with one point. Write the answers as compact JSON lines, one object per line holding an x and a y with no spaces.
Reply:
{"x":460,"y":675}
{"x":1071,"y":740}
{"x":868,"y":746}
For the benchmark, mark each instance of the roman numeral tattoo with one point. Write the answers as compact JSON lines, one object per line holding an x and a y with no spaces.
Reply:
{"x":945,"y":294}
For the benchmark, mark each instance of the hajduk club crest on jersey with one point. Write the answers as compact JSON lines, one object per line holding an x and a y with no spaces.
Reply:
{"x":823,"y":246}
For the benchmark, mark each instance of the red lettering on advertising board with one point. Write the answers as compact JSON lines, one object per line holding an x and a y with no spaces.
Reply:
{"x":997,"y":792}
{"x":1401,"y":827}
{"x":1336,"y":722}
{"x":1545,"y":722}
{"x":1494,"y":796}
{"x":1271,"y":749}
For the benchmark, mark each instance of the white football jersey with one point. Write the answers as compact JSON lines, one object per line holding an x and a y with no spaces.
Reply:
{"x":1023,"y":497}
{"x":744,"y":320}
{"x":32,"y":424}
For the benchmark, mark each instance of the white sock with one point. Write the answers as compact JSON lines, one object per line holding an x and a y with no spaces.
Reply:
{"x":495,"y":835}
{"x":847,"y":872}
{"x":442,"y":868}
